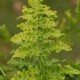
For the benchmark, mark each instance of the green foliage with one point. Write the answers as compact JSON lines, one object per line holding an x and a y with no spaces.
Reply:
{"x":70,"y":25}
{"x":4,"y":33}
{"x":4,"y":38}
{"x":38,"y":39}
{"x":2,"y":74}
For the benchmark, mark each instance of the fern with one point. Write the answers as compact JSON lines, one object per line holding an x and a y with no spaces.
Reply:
{"x":38,"y":39}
